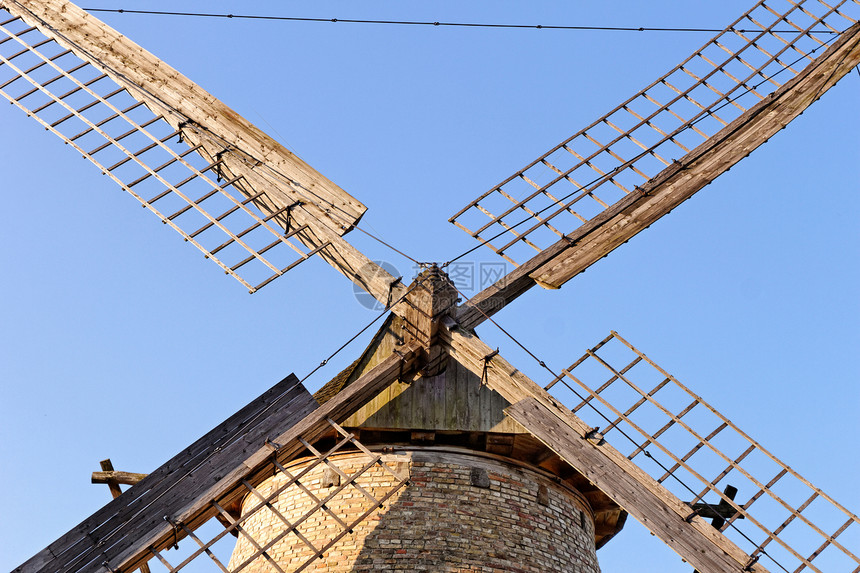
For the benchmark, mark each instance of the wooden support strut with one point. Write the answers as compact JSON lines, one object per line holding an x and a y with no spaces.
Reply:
{"x":596,"y":238}
{"x":562,"y":431}
{"x":114,"y":478}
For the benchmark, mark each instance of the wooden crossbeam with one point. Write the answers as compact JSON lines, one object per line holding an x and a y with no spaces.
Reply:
{"x":255,"y":468}
{"x":598,"y":237}
{"x":114,"y":478}
{"x":570,"y":438}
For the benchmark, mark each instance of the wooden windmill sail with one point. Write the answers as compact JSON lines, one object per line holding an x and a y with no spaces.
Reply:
{"x":236,"y":463}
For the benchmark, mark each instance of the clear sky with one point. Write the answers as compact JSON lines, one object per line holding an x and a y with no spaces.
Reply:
{"x":121,"y":341}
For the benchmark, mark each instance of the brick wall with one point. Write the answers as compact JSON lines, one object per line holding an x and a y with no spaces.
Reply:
{"x":460,"y":512}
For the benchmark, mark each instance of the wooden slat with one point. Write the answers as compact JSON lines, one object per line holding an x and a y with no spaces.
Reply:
{"x":598,"y":237}
{"x":606,"y":467}
{"x":132,"y":66}
{"x":336,"y":251}
{"x":159,"y":143}
{"x":708,"y":161}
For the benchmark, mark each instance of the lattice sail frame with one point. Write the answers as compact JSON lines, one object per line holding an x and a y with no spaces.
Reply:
{"x":152,"y":156}
{"x":695,"y":452}
{"x":214,"y":540}
{"x":595,"y":168}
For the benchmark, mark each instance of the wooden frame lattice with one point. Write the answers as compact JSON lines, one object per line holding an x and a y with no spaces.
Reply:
{"x":687,"y":445}
{"x":217,"y":543}
{"x":587,"y":173}
{"x":149,"y":155}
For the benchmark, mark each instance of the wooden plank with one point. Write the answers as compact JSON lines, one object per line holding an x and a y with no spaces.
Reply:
{"x":603,"y":465}
{"x":185,"y":486}
{"x":595,"y":239}
{"x":164,"y":88}
{"x":256,"y":466}
{"x":285,"y":397}
{"x":112,"y":477}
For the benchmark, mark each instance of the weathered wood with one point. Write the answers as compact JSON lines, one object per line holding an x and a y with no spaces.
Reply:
{"x":163,"y":87}
{"x":114,"y":488}
{"x":256,"y":466}
{"x":623,"y":481}
{"x":277,"y":407}
{"x":495,"y":297}
{"x":183,"y":488}
{"x":454,"y":400}
{"x":115,"y":477}
{"x":596,"y":238}
{"x":113,"y":485}
{"x":431,"y":297}
{"x":335,"y":250}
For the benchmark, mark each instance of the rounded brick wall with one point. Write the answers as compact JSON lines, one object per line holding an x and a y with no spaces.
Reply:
{"x":460,"y":512}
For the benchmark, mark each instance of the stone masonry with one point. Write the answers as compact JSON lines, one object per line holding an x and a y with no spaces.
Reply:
{"x":461,"y":512}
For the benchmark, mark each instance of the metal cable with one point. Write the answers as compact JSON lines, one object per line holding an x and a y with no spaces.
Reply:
{"x":363,"y":329}
{"x":429,"y":23}
{"x":396,"y":250}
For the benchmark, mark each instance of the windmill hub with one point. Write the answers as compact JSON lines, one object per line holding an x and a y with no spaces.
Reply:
{"x":432,"y":297}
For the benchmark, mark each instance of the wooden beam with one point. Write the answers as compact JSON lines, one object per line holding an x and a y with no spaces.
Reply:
{"x":165,"y":89}
{"x":114,"y":488}
{"x":251,"y":461}
{"x":654,"y":507}
{"x":355,"y":266}
{"x":628,"y":485}
{"x":596,"y":238}
{"x":114,"y":477}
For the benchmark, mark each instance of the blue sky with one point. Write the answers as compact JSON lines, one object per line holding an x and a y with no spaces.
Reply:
{"x":121,"y":341}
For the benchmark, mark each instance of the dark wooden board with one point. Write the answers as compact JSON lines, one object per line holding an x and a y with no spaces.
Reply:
{"x":276,"y":409}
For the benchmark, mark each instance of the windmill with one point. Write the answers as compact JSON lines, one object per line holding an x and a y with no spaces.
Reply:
{"x":490,"y":372}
